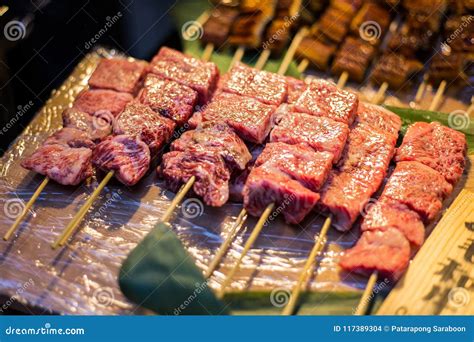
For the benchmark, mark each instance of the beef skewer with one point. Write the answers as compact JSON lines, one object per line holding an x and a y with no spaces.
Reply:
{"x":89,"y":115}
{"x":174,"y":78}
{"x":424,"y":146}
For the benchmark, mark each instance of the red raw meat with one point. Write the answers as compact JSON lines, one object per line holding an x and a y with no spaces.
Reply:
{"x":118,"y":74}
{"x":97,"y":126}
{"x":128,"y":157}
{"x":324,"y":98}
{"x":250,"y":118}
{"x":194,"y":73}
{"x":217,"y":137}
{"x":387,"y":252}
{"x":61,"y":163}
{"x":379,"y":118}
{"x":388,"y":214}
{"x":299,"y":162}
{"x":295,"y":89}
{"x":168,"y":98}
{"x":91,"y":101}
{"x":321,"y":134}
{"x":140,"y":121}
{"x":264,"y":86}
{"x":70,"y":137}
{"x":437,"y":146}
{"x":419,"y":187}
{"x":212,"y":175}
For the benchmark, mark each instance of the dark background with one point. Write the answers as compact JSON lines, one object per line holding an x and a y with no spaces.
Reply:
{"x":56,"y":39}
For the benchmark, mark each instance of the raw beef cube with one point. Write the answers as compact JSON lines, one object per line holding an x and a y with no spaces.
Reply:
{"x":387,"y":214}
{"x":118,"y":74}
{"x":321,"y":134}
{"x":250,"y":118}
{"x":368,"y":151}
{"x":324,"y":98}
{"x":386,"y":251}
{"x":61,"y":163}
{"x":292,"y":199}
{"x":378,"y":118}
{"x":91,"y":101}
{"x":295,"y":89}
{"x":141,"y":122}
{"x":70,"y":137}
{"x":264,"y":86}
{"x":128,"y":157}
{"x":218,"y":137}
{"x":97,"y":125}
{"x":436,"y":146}
{"x":198,"y":75}
{"x":299,"y":162}
{"x":169,"y":98}
{"x":212,"y":175}
{"x":419,"y":187}
{"x":345,"y":196}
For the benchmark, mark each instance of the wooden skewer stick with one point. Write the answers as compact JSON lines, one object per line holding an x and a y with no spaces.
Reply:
{"x":439,"y":96}
{"x":470,"y":110}
{"x":365,"y":299}
{"x":307,"y":269}
{"x":177,"y":199}
{"x":343,"y":79}
{"x":27,"y":207}
{"x":291,"y":50}
{"x":255,"y":233}
{"x":226,"y":244}
{"x":378,"y":97}
{"x":207,"y":53}
{"x":239,"y":53}
{"x":303,"y":66}
{"x":262,"y":59}
{"x":421,"y":89}
{"x":71,"y":227}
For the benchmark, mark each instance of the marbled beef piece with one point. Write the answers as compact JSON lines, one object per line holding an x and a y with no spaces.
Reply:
{"x":264,"y":187}
{"x":192,"y":72}
{"x":378,"y":118}
{"x":61,"y":163}
{"x":141,"y":122}
{"x":70,"y":137}
{"x":289,"y":176}
{"x":251,"y":119}
{"x":387,"y":214}
{"x":217,"y":137}
{"x":396,"y":70}
{"x":419,"y":187}
{"x":296,"y":87}
{"x":127,"y":157}
{"x":354,"y":57}
{"x":217,"y":27}
{"x":118,"y":74}
{"x":91,"y":101}
{"x":209,"y":168}
{"x":437,"y":146}
{"x":168,"y":98}
{"x":386,"y":251}
{"x":324,"y":98}
{"x":319,"y":133}
{"x":264,"y":86}
{"x":97,"y":125}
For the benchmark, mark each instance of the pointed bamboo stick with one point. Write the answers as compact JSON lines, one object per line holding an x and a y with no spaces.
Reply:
{"x":366,"y":296}
{"x":207,"y":53}
{"x":239,"y":53}
{"x":341,"y":83}
{"x":255,"y":233}
{"x":439,"y":96}
{"x":72,"y":226}
{"x":291,"y":50}
{"x":378,"y":97}
{"x":27,"y":207}
{"x":262,"y":59}
{"x":307,"y":269}
{"x":177,"y":199}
